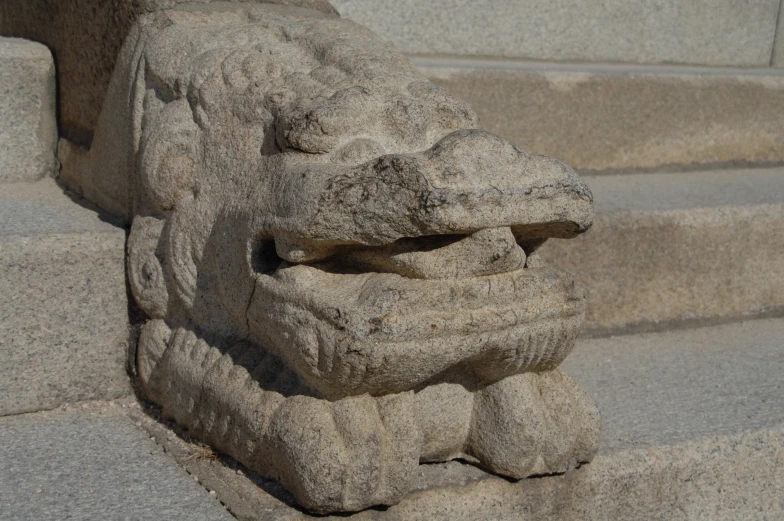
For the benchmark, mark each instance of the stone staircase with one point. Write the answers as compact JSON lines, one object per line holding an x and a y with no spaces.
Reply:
{"x":683,"y":345}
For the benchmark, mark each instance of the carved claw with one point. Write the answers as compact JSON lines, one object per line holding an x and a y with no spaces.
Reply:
{"x":345,"y":455}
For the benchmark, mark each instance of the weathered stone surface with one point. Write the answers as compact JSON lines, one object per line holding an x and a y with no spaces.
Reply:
{"x":679,"y":248}
{"x":329,"y":251}
{"x":693,"y":423}
{"x":64,"y":333}
{"x":93,"y":465}
{"x":624,"y":118}
{"x":709,"y":32}
{"x":86,"y":51}
{"x":28,"y":131}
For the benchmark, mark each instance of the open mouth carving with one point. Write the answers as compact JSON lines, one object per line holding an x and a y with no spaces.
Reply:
{"x":372,"y":319}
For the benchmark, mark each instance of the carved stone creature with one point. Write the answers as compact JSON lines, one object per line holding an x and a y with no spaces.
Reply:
{"x":339,"y":270}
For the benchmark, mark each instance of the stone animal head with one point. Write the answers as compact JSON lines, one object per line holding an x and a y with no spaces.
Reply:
{"x":297,"y":185}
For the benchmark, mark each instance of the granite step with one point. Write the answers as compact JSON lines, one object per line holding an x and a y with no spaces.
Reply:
{"x":624,"y":118}
{"x":64,"y":329}
{"x":693,"y":428}
{"x":93,"y":464}
{"x":679,"y":249}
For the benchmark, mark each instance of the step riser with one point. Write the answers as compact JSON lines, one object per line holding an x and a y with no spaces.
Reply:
{"x":599,"y":119}
{"x":670,"y":250}
{"x":65,"y":335}
{"x":651,"y":271}
{"x":64,"y":332}
{"x":719,"y":32}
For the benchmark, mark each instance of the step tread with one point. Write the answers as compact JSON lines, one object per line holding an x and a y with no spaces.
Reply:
{"x":676,"y":386}
{"x":93,"y":466}
{"x":435,"y":65}
{"x":661,"y":192}
{"x":43,"y":208}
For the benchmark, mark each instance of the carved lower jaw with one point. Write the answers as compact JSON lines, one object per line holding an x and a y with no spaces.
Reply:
{"x":348,"y":334}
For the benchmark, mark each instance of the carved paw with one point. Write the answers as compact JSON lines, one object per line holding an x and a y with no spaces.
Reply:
{"x":345,"y":455}
{"x":533,"y":423}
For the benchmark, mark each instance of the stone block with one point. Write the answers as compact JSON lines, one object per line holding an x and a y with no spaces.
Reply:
{"x":64,"y":333}
{"x":624,"y":118}
{"x":680,"y":248}
{"x":709,"y":32}
{"x":93,"y":465}
{"x":28,"y":130}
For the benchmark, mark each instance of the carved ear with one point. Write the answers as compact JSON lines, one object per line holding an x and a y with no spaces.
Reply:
{"x":168,"y":155}
{"x":145,"y":266}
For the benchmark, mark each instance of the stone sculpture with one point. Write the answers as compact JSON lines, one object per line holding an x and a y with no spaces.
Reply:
{"x":339,"y":270}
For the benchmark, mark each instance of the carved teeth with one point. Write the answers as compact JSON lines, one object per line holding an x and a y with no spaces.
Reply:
{"x":361,"y":451}
{"x":486,"y":252}
{"x":302,"y":251}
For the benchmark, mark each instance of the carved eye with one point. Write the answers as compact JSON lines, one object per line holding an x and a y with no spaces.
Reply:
{"x":168,"y":147}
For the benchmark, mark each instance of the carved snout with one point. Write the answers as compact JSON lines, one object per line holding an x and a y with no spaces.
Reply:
{"x":468,"y":181}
